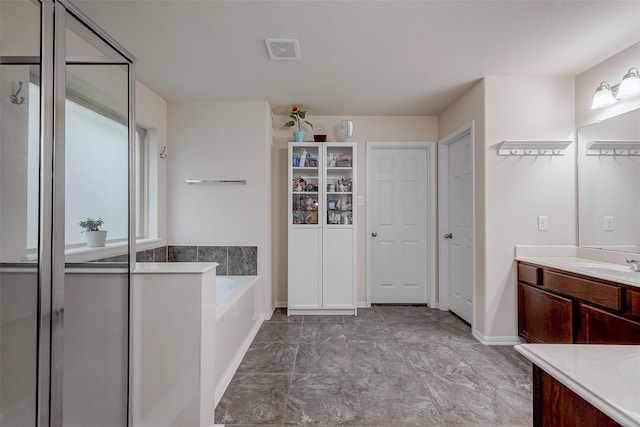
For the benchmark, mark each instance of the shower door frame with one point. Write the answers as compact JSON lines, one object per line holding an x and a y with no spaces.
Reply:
{"x":51,"y":253}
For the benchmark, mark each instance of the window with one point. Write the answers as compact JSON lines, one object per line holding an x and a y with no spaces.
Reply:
{"x":96,"y":172}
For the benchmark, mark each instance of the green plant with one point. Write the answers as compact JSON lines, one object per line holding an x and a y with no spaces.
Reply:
{"x":297,"y":116}
{"x":91,"y":224}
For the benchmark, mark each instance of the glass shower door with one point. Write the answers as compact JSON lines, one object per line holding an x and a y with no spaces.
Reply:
{"x":96,"y":201}
{"x":19,"y":211}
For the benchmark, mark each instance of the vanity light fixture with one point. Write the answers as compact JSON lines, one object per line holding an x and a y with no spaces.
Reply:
{"x":630,"y":85}
{"x":606,"y":95}
{"x":603,"y":96}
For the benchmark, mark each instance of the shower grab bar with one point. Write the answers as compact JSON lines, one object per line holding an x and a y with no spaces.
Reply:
{"x":217,"y":181}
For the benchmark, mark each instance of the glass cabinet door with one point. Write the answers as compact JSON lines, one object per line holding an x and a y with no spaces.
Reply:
{"x":305,"y":184}
{"x":339,"y":185}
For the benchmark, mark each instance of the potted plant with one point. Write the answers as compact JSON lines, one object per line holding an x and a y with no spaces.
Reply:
{"x":96,"y":238}
{"x":297,"y":119}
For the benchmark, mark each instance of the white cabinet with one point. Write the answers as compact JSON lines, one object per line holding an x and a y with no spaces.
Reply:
{"x":322,"y":221}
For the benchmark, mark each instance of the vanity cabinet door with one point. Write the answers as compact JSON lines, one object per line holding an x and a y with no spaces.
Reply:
{"x":544,"y":317}
{"x":599,"y":327}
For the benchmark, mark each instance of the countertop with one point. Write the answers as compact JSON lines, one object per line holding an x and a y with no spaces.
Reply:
{"x":606,"y":376}
{"x":597,"y":269}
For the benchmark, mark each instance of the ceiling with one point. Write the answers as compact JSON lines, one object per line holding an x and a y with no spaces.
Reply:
{"x":359,"y":57}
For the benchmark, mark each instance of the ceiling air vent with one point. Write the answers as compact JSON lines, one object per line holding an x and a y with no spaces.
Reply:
{"x":283,"y":49}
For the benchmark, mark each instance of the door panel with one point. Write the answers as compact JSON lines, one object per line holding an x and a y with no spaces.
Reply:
{"x":398,"y":209}
{"x":460,"y":216}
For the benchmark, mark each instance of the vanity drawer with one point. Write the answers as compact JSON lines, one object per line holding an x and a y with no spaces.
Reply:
{"x":529,"y":274}
{"x":597,"y":293}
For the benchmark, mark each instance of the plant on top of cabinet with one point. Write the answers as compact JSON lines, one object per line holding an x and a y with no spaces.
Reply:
{"x":297,"y":116}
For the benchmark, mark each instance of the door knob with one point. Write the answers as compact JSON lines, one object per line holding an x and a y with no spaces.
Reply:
{"x":448,"y":236}
{"x":374,"y":234}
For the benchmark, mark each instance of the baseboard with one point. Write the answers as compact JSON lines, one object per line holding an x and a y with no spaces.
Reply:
{"x":221,"y":387}
{"x":281,"y":304}
{"x":363,"y":304}
{"x":497,"y":340}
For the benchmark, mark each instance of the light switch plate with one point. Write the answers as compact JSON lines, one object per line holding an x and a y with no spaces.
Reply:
{"x":360,"y":200}
{"x":608,"y":223}
{"x":543,"y":223}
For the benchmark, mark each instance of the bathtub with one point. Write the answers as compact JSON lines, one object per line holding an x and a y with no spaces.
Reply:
{"x":237,"y":322}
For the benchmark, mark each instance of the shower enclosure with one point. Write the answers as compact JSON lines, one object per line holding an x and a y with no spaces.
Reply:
{"x":67,"y":145}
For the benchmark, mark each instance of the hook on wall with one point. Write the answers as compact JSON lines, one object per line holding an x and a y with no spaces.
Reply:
{"x":14,"y":97}
{"x":163,"y":153}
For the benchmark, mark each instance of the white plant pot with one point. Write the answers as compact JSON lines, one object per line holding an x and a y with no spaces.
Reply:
{"x":96,"y":239}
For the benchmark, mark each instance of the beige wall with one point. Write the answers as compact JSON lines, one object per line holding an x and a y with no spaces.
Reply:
{"x":365,"y":128}
{"x":225,"y":140}
{"x":512,"y":191}
{"x":518,"y":189}
{"x":471,"y":108}
{"x":151,"y":113}
{"x":611,"y":70}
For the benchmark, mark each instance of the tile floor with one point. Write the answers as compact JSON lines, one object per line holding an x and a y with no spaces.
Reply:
{"x":389,"y":366}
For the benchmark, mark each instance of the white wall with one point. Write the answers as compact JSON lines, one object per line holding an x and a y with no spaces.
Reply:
{"x":221,"y":141}
{"x":365,"y":128}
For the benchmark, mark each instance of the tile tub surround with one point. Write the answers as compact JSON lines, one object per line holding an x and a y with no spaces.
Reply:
{"x":389,"y":366}
{"x":232,"y":260}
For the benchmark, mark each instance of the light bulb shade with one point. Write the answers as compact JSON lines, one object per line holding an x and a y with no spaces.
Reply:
{"x":603,"y":96}
{"x":630,"y":85}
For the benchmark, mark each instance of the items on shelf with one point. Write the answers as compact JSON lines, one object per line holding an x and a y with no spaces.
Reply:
{"x":303,"y":159}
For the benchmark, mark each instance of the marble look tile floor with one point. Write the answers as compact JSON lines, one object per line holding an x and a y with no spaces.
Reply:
{"x":389,"y":366}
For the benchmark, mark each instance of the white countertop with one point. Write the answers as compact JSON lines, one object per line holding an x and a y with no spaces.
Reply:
{"x":173,"y":267}
{"x":607,"y":376}
{"x":597,"y":269}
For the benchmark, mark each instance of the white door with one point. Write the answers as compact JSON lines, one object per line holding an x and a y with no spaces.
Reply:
{"x":458,"y":234}
{"x":398,"y":215}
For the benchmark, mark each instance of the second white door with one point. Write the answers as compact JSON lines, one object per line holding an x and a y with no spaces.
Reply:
{"x":398,"y":218}
{"x":459,"y":233}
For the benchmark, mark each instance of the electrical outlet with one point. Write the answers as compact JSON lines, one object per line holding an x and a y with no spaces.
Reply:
{"x":543,"y":223}
{"x":608,"y":223}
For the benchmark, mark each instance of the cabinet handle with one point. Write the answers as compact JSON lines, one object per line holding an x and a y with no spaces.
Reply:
{"x":374,"y":234}
{"x":448,"y":236}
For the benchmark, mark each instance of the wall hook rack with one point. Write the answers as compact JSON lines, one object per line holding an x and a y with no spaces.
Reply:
{"x":532,"y":148}
{"x":14,"y":97}
{"x":613,"y":148}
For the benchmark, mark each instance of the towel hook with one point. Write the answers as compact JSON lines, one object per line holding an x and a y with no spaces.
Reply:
{"x":14,"y":98}
{"x":163,"y":154}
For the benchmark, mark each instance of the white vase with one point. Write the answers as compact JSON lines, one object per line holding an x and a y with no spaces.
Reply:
{"x":96,"y":239}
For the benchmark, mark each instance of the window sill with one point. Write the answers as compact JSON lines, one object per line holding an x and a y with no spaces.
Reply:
{"x":85,"y":254}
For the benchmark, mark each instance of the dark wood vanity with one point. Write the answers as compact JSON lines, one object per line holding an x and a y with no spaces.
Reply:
{"x":558,"y":307}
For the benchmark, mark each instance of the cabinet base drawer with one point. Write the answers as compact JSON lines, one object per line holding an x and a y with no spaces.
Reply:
{"x":608,"y":296}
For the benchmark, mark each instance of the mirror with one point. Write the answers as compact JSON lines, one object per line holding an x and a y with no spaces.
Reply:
{"x":609,"y":183}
